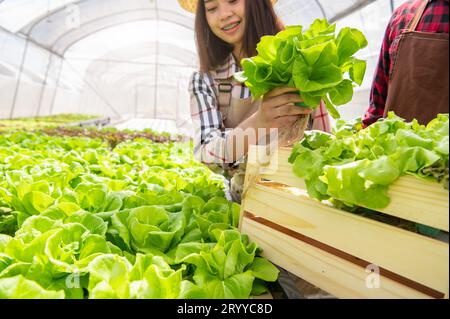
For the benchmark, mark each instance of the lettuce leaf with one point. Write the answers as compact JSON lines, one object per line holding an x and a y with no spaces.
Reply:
{"x":20,"y":288}
{"x":318,"y":63}
{"x":356,"y":167}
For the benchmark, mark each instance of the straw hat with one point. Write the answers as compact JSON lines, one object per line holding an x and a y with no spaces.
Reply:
{"x":191,"y":5}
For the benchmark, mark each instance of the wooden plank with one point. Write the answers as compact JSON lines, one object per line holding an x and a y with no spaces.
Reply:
{"x":328,"y":272}
{"x":413,"y":256}
{"x":412,"y":198}
{"x":251,"y":177}
{"x":422,"y":201}
{"x":280,"y":169}
{"x":266,"y":296}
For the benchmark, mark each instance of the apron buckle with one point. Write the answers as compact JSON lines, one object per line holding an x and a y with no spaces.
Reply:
{"x":225,"y":87}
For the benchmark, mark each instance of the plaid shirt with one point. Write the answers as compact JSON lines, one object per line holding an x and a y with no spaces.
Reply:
{"x":435,"y":19}
{"x":211,"y":135}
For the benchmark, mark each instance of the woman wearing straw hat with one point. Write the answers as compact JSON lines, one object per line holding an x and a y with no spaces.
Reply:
{"x":222,"y":109}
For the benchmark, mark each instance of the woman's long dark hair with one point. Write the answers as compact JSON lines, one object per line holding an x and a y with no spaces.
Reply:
{"x":261,"y":20}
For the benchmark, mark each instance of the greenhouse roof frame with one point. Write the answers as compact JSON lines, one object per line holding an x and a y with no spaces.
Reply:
{"x":358,"y":5}
{"x":48,"y":30}
{"x":135,"y":10}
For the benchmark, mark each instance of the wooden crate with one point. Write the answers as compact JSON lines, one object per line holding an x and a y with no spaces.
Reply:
{"x":345,"y":254}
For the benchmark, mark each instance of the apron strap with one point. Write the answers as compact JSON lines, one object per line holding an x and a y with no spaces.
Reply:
{"x":223,"y":92}
{"x":419,"y":13}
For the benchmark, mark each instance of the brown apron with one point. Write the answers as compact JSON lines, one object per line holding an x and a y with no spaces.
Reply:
{"x":419,"y":78}
{"x":234,"y":111}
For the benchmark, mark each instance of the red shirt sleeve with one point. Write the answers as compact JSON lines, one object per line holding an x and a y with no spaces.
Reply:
{"x":379,"y":90}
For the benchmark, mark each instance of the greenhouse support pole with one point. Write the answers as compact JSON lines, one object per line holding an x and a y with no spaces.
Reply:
{"x":44,"y":84}
{"x":178,"y":104}
{"x":82,"y":100}
{"x":155,"y":99}
{"x":392,"y":6}
{"x":357,"y":6}
{"x":155,"y":102}
{"x":322,"y":10}
{"x":56,"y":88}
{"x":19,"y":79}
{"x":135,"y":99}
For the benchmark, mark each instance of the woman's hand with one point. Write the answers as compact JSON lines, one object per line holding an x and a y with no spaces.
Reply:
{"x":278,"y":109}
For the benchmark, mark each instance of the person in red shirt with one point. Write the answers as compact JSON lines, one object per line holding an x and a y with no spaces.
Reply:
{"x":412,"y":77}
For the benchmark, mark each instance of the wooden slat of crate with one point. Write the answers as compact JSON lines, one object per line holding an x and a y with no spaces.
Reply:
{"x":421,"y":201}
{"x":413,"y":256}
{"x":266,"y":296}
{"x":414,"y":199}
{"x":337,"y":276}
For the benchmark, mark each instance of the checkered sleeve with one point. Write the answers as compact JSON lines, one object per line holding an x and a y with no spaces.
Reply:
{"x":210,"y":137}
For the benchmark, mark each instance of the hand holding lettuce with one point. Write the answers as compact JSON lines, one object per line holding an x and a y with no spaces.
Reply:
{"x":316,"y":62}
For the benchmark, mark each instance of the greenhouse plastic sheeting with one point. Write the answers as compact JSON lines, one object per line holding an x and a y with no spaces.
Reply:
{"x":133,"y":58}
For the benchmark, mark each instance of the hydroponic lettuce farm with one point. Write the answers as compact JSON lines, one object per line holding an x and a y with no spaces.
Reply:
{"x":78,"y":220}
{"x":248,"y":149}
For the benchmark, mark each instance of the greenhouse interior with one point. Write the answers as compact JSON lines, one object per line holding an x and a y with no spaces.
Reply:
{"x":127,"y":170}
